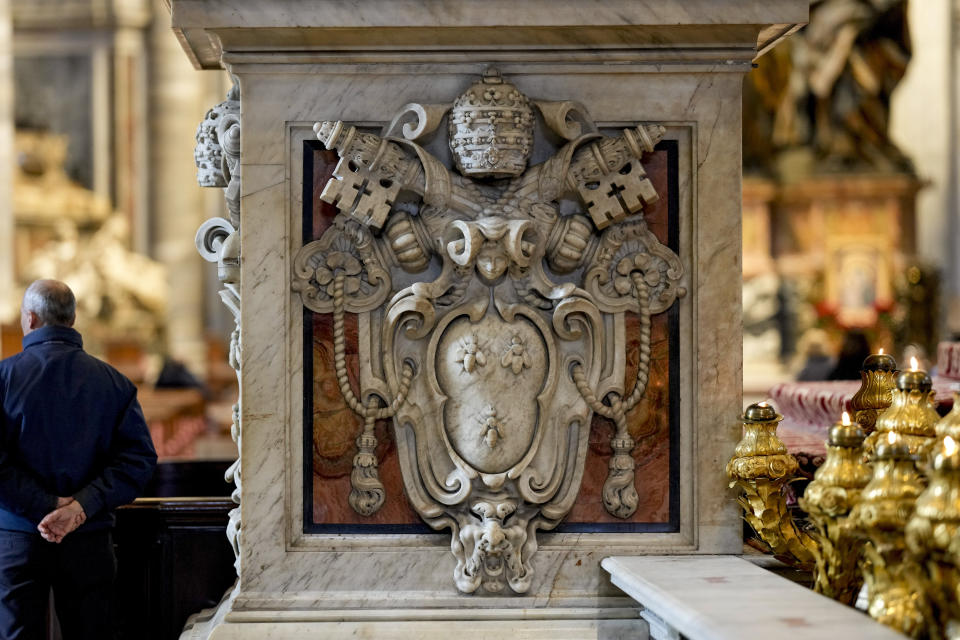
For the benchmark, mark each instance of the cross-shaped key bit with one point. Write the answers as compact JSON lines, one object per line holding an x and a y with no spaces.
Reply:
{"x":361,"y":193}
{"x":602,"y":201}
{"x":344,"y":188}
{"x":376,"y":200}
{"x":617,"y":194}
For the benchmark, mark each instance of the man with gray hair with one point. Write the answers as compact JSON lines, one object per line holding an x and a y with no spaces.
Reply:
{"x":73,"y":447}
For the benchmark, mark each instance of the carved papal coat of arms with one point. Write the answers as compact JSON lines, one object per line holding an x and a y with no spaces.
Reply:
{"x":490,"y":306}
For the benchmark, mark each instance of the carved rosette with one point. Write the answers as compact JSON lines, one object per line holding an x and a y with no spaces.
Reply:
{"x":489,"y":365}
{"x":346,"y":251}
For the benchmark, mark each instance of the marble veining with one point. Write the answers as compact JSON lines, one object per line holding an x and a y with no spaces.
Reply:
{"x":694,"y":95}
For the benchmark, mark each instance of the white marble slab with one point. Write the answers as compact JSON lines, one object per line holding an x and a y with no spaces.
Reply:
{"x":729,"y":598}
{"x":429,"y":630}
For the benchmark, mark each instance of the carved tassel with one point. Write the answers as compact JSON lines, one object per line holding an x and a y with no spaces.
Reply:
{"x":619,"y":492}
{"x":366,"y":493}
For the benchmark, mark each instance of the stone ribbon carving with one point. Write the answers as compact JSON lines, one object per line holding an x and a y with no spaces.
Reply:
{"x":217,"y":156}
{"x":492,"y":317}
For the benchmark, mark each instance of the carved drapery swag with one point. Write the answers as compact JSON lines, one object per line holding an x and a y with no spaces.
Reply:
{"x":217,"y":155}
{"x":491,"y":316}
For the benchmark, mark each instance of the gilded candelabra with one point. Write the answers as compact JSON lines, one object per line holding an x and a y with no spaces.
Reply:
{"x":896,"y":596}
{"x":835,"y":490}
{"x":876,"y":390}
{"x":759,"y":469}
{"x":911,"y":414}
{"x":950,"y":424}
{"x":933,"y":533}
{"x":884,"y":524}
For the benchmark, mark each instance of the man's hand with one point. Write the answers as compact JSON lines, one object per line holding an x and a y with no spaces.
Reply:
{"x":65,"y":518}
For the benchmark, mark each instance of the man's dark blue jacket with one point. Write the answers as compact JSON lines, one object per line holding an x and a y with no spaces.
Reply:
{"x":70,"y":426}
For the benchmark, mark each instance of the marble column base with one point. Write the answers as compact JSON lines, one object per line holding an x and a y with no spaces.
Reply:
{"x":223,"y":623}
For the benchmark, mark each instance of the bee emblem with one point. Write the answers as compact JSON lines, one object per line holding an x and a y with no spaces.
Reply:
{"x":470,"y":354}
{"x":491,"y":428}
{"x":515,"y":356}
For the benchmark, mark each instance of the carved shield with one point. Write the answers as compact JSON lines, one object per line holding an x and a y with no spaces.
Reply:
{"x":492,"y":374}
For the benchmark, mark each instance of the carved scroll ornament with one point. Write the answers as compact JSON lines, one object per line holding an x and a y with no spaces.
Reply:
{"x":217,"y":156}
{"x":490,"y":360}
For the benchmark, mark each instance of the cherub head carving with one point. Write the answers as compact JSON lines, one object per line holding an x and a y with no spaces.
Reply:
{"x":491,"y":129}
{"x":208,"y":152}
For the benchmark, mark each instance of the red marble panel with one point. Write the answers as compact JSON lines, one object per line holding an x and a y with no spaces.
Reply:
{"x":335,"y":430}
{"x":649,"y":425}
{"x":649,"y":421}
{"x":335,"y":427}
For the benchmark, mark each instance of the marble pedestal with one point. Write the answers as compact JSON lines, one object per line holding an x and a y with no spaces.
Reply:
{"x":677,"y":64}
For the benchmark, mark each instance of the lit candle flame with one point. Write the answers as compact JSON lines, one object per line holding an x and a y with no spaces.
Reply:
{"x":881,"y":351}
{"x":762,"y":404}
{"x":950,"y":446}
{"x":845,"y":419}
{"x":891,"y":437}
{"x":914,"y":365}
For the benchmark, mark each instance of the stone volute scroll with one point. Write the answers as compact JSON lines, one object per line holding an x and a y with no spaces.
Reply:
{"x":490,"y":312}
{"x":217,"y":156}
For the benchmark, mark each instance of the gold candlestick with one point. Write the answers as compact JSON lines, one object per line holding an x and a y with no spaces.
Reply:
{"x":911,"y":414}
{"x":759,"y":469}
{"x":828,"y":500}
{"x":876,"y":390}
{"x":950,"y":424}
{"x":894,"y":580}
{"x":933,"y":533}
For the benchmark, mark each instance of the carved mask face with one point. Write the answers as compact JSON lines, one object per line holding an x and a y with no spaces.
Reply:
{"x":492,"y":261}
{"x":491,"y":129}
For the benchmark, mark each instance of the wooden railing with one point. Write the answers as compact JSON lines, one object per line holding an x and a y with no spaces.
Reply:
{"x":173,"y":559}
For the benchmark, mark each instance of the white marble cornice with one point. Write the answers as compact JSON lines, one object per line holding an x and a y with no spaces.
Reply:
{"x":380,"y":31}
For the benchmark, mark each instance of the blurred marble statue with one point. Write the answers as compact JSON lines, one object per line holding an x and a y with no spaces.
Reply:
{"x":825,"y":93}
{"x":67,"y":232}
{"x":42,"y":190}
